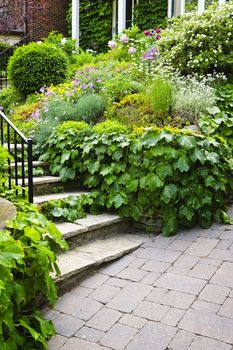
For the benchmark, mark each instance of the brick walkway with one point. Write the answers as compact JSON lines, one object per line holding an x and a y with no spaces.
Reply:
{"x":171,"y":293}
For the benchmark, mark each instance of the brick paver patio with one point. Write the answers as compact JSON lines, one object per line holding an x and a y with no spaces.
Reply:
{"x":171,"y":293}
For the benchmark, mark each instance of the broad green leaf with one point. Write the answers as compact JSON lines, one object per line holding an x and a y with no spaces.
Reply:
{"x":32,"y":233}
{"x":169,"y":193}
{"x":151,"y":182}
{"x":182,"y":164}
{"x":164,"y":170}
{"x":186,"y":213}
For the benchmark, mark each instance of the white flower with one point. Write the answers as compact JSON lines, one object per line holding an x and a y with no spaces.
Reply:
{"x":39,"y":42}
{"x":63,"y":41}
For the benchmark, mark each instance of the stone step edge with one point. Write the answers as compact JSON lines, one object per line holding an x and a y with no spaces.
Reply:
{"x":35,"y":164}
{"x":42,"y":199}
{"x":42,"y":180}
{"x":83,"y":262}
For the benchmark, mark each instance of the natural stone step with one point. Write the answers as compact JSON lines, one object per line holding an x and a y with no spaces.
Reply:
{"x":56,"y":196}
{"x":35,"y":164}
{"x":92,"y":227}
{"x":78,"y":262}
{"x":43,"y":184}
{"x":7,"y":212}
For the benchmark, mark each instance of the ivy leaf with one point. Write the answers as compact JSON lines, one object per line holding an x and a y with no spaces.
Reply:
{"x":169,"y":221}
{"x":65,"y":156}
{"x":164,"y":170}
{"x":57,"y":212}
{"x":187,"y":142}
{"x":10,"y":252}
{"x":186,"y":213}
{"x":169,"y":193}
{"x":182,"y":164}
{"x":93,"y":167}
{"x":151,"y":182}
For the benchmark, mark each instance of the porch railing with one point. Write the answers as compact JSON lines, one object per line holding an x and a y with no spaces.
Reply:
{"x":20,"y":170}
{"x":4,"y":58}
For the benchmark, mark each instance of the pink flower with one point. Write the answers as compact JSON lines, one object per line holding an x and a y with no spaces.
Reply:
{"x":112,"y":44}
{"x":158,"y":37}
{"x":124,"y":38}
{"x":146,"y":33}
{"x":158,"y":30}
{"x":132,"y":50}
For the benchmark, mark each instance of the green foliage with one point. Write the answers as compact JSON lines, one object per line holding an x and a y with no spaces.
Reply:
{"x":3,"y":166}
{"x":185,"y":178}
{"x":36,"y":65}
{"x":225,"y":98}
{"x":8,"y":99}
{"x":82,"y":58}
{"x":89,"y":107}
{"x":27,"y":258}
{"x":7,"y":54}
{"x":148,"y":14}
{"x":95,"y":24}
{"x":110,"y":126}
{"x":200,"y":44}
{"x":160,"y":97}
{"x":65,"y":44}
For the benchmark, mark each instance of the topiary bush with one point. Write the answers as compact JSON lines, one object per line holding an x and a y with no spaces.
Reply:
{"x":36,"y":65}
{"x":200,"y":44}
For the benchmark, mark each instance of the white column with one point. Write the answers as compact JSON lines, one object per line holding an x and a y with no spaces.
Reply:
{"x":114,"y":12}
{"x":169,"y":8}
{"x":121,"y":15}
{"x":182,"y":7}
{"x":75,"y":20}
{"x":201,"y":6}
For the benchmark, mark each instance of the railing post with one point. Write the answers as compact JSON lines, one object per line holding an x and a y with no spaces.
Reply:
{"x":30,"y":172}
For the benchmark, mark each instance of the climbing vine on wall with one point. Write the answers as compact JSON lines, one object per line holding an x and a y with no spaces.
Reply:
{"x":95,"y":24}
{"x":150,"y":13}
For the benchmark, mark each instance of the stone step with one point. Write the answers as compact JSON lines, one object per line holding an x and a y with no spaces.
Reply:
{"x":43,"y":184}
{"x":35,"y":164}
{"x":92,"y":227}
{"x":42,"y":199}
{"x":79,"y":262}
{"x":12,"y":146}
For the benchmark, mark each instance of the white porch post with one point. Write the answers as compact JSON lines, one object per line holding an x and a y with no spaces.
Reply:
{"x":121,"y":15}
{"x":75,"y":20}
{"x":182,"y":7}
{"x":169,"y":8}
{"x":114,"y":15}
{"x":201,"y":6}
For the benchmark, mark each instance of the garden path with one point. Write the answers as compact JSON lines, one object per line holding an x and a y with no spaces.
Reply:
{"x":171,"y":293}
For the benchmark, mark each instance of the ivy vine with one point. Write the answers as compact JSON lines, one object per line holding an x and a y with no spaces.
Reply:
{"x":148,"y":14}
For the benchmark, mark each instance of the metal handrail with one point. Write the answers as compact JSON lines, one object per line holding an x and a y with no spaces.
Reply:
{"x":25,"y":145}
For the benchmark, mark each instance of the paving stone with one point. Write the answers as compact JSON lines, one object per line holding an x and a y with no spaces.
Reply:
{"x":156,"y":295}
{"x":94,"y":281}
{"x":208,"y":344}
{"x":179,"y":245}
{"x":223,"y":276}
{"x":81,"y":307}
{"x":82,"y":291}
{"x":137,"y":263}
{"x":188,"y":235}
{"x":178,"y":299}
{"x":77,"y":343}
{"x":202,"y":247}
{"x":118,"y":336}
{"x":201,"y":305}
{"x":178,"y":270}
{"x":51,"y":314}
{"x":203,"y":271}
{"x":132,"y":321}
{"x":173,"y":316}
{"x":224,"y":244}
{"x":155,"y":266}
{"x":182,"y":340}
{"x":117,"y":282}
{"x":231,"y":294}
{"x":104,"y":293}
{"x":210,"y":262}
{"x":116,"y":267}
{"x":227,"y":235}
{"x":153,"y":335}
{"x":104,"y":319}
{"x":227,"y":308}
{"x":150,"y":278}
{"x":186,"y":261}
{"x":129,"y":297}
{"x":163,"y":255}
{"x":214,"y":294}
{"x":184,"y":284}
{"x":67,"y":325}
{"x":151,"y":311}
{"x":221,"y":254}
{"x":56,"y":342}
{"x":209,"y":325}
{"x":132,"y":274}
{"x":210,"y":233}
{"x":159,"y":242}
{"x":89,"y":334}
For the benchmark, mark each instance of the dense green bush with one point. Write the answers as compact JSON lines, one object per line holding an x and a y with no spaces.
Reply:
{"x":148,"y":14}
{"x":120,"y":86}
{"x":160,"y":97}
{"x":89,"y":107}
{"x":200,"y":43}
{"x":66,"y":44}
{"x":9,"y":99}
{"x":36,"y":65}
{"x":185,"y":178}
{"x":110,"y":126}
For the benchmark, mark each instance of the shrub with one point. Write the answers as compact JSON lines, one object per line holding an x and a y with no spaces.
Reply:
{"x":200,"y":43}
{"x":90,"y":107}
{"x":65,"y":44}
{"x":36,"y":65}
{"x":110,"y":126}
{"x":9,"y":99}
{"x":71,"y":126}
{"x":5,"y":58}
{"x":224,"y":95}
{"x":160,"y":97}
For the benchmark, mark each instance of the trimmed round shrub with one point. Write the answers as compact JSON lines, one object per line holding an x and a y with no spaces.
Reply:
{"x":36,"y":65}
{"x":110,"y":126}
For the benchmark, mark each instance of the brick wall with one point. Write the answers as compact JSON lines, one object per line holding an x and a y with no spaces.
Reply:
{"x":52,"y":17}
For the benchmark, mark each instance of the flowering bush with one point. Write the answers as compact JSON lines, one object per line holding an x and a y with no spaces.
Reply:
{"x":200,"y":43}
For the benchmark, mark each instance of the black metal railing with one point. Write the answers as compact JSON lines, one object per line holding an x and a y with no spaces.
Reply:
{"x":4,"y":58}
{"x":20,"y":171}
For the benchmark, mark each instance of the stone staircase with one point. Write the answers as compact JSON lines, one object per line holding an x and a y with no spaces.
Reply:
{"x":93,"y":240}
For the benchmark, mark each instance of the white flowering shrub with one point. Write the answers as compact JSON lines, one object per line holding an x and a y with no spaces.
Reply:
{"x":200,"y":43}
